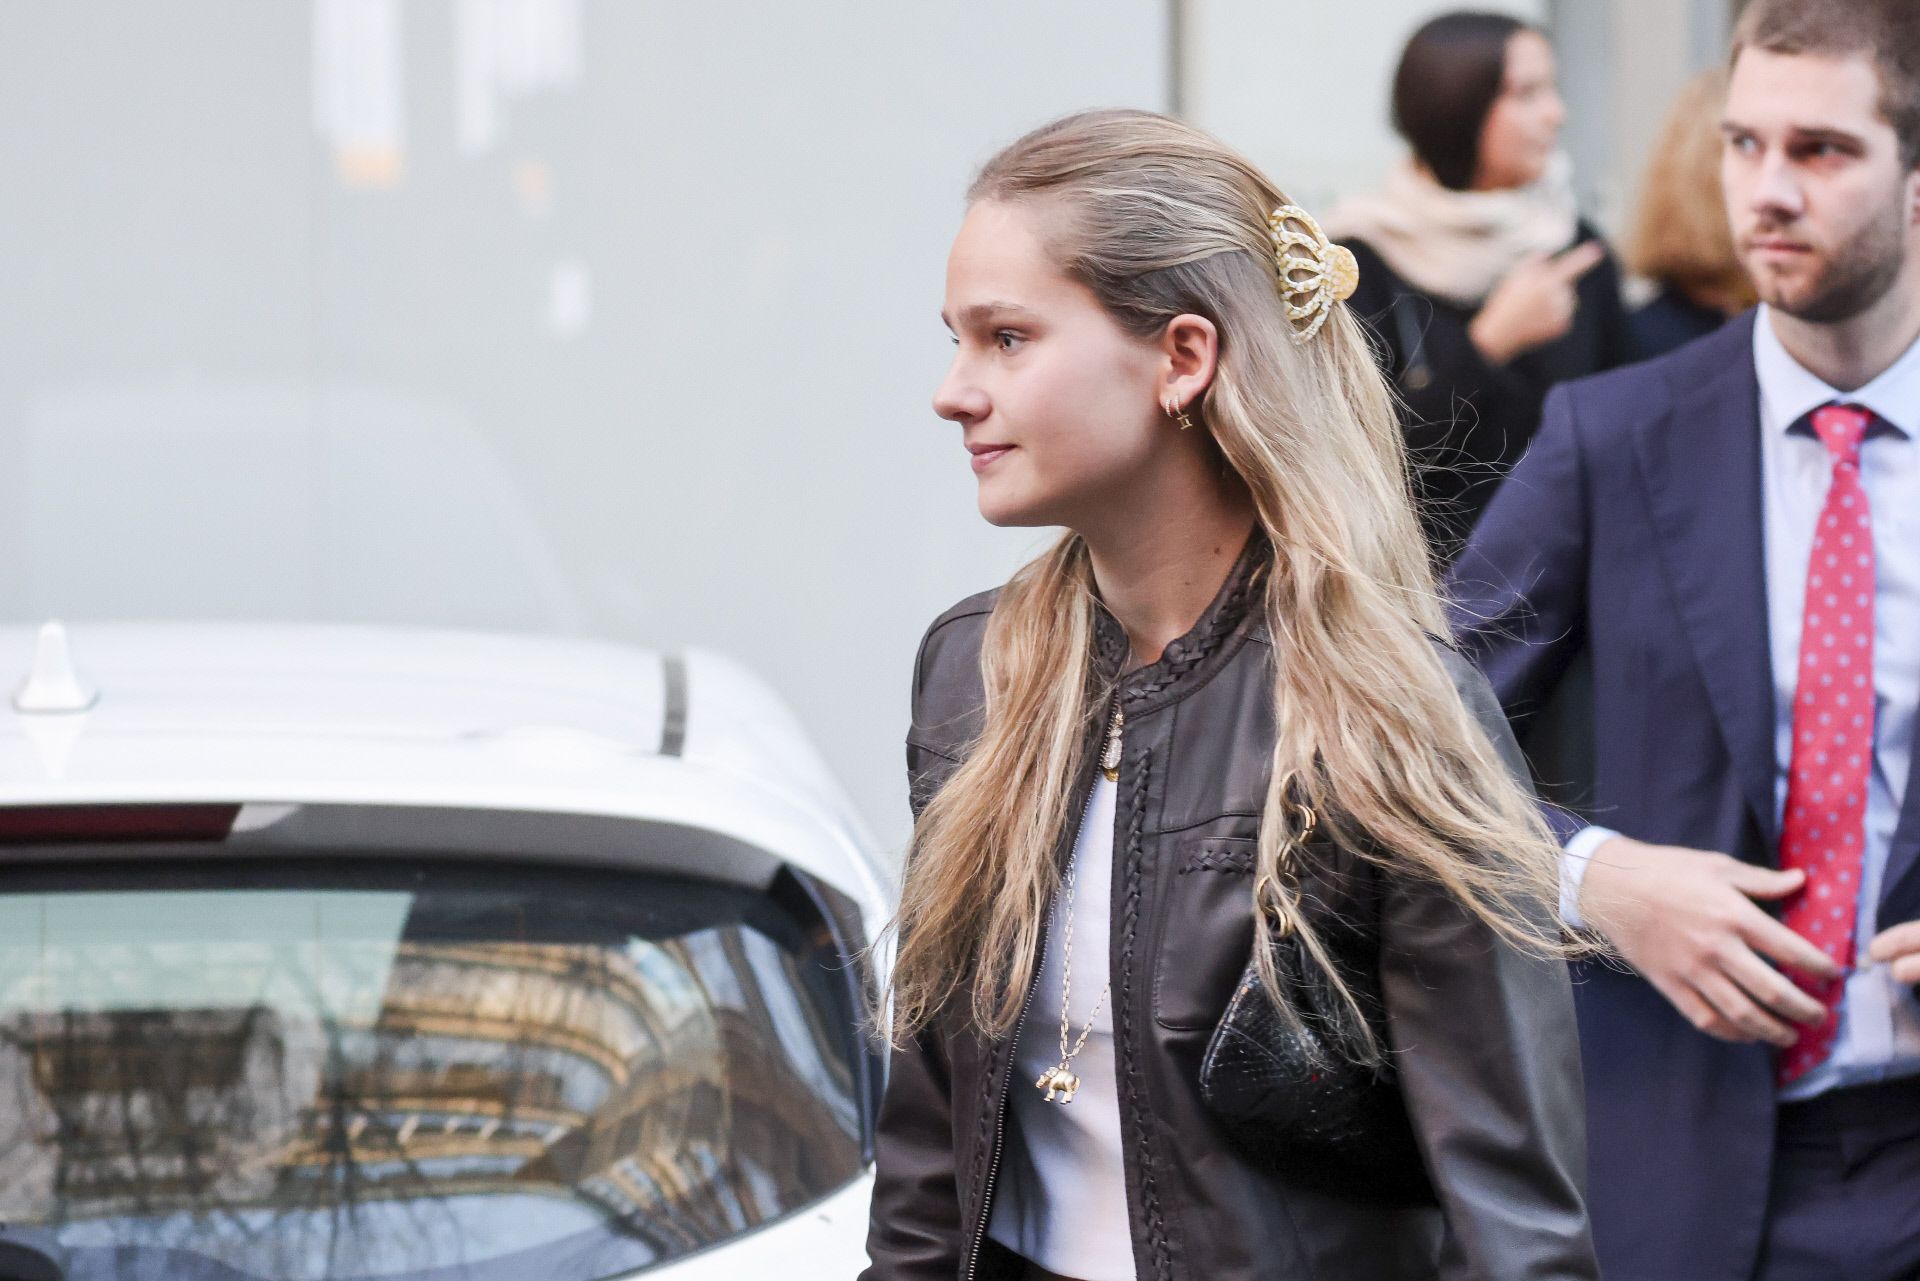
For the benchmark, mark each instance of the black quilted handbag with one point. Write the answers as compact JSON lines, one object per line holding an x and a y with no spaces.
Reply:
{"x":1287,"y":1091}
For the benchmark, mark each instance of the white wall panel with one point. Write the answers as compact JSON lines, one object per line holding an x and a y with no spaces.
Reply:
{"x":1302,"y":86}
{"x":603,"y":316}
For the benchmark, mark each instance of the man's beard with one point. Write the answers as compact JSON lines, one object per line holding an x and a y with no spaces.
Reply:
{"x":1855,"y":277}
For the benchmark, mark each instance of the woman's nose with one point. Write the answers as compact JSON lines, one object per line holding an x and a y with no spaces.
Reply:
{"x":1556,"y":111}
{"x":956,"y":399}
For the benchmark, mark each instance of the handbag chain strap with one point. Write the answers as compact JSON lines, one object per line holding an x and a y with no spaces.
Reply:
{"x":1267,"y":892}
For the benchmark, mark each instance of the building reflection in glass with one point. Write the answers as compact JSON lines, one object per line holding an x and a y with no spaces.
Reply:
{"x":473,"y":1077}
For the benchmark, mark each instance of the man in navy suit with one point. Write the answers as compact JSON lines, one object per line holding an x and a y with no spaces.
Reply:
{"x":1733,"y":534}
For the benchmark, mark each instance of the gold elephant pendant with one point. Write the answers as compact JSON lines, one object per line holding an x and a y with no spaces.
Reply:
{"x":1059,"y":1084}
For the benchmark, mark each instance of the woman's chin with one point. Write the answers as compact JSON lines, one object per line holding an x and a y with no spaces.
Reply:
{"x":1014,"y":520}
{"x":1009,"y":511}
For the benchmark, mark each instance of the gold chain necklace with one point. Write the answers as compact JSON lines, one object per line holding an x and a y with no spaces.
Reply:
{"x":1060,"y":1083}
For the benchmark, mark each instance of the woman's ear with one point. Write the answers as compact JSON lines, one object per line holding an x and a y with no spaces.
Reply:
{"x":1191,"y":347}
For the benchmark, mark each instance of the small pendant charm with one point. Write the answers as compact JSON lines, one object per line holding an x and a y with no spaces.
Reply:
{"x":1110,"y":755}
{"x":1059,"y":1084}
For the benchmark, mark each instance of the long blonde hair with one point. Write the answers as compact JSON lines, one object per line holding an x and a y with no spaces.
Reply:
{"x":1160,"y":220}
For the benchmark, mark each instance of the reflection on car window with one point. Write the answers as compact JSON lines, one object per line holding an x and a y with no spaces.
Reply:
{"x":421,"y":1074}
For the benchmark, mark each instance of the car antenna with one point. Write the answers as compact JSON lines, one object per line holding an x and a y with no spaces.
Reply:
{"x":54,"y":685}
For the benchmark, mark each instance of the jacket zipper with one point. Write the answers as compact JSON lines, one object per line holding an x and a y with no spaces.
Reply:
{"x":1013,"y":1050}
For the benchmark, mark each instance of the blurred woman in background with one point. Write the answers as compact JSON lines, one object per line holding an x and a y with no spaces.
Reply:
{"x":1476,"y":272}
{"x":1681,"y":242}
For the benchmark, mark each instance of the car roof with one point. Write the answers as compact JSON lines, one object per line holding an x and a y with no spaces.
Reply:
{"x":271,"y":715}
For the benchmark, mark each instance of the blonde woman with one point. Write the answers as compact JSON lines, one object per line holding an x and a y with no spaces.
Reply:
{"x":1204,"y":750}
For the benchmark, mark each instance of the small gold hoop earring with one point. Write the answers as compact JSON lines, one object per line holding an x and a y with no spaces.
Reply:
{"x":1178,"y":415}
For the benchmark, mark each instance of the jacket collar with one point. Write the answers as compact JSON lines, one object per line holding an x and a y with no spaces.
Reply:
{"x":1196,"y":655}
{"x":1790,"y":392}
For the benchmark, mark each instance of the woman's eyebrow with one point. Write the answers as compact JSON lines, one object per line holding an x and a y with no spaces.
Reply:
{"x":980,"y":312}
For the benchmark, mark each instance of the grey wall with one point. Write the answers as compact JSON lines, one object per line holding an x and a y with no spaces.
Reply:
{"x":1302,"y":86}
{"x":631,"y":335}
{"x":606,"y":317}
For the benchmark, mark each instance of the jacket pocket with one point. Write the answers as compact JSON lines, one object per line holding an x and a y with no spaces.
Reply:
{"x":1203,"y":935}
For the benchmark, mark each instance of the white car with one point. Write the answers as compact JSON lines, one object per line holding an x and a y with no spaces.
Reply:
{"x":333,"y":952}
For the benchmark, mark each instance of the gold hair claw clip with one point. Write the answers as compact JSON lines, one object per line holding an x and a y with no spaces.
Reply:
{"x":1314,"y":272}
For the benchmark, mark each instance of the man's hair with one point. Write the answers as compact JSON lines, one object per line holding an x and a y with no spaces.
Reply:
{"x":1885,"y":32}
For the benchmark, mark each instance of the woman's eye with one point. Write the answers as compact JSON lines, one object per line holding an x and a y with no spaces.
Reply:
{"x":1007,"y":339}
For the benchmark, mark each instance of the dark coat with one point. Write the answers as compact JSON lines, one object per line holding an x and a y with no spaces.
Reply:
{"x":1634,"y":529}
{"x":1468,"y":421}
{"x":1668,"y":321}
{"x":1487,"y":1059}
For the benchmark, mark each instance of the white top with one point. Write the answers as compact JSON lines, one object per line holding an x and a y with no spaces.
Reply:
{"x":1061,"y":1199}
{"x":1879,"y":1035}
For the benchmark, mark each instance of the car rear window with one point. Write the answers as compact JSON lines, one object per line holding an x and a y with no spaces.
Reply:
{"x":377,"y":1070}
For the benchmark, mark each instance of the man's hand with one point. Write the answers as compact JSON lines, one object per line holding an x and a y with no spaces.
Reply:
{"x":1899,"y":945}
{"x":1687,"y":921}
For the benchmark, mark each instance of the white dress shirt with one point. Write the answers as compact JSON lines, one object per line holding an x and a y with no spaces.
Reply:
{"x":1879,"y":1035}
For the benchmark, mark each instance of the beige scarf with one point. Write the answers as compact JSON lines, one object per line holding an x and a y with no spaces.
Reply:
{"x":1458,"y":245}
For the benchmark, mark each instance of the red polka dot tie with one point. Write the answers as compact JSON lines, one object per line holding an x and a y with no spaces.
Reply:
{"x":1824,"y":832}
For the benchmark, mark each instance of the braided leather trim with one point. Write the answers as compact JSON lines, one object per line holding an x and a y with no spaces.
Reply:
{"x":1132,"y":1087}
{"x":1187,"y":653}
{"x":977,"y":1174}
{"x":1219,"y":857}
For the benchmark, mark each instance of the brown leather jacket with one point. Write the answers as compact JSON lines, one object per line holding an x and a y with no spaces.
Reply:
{"x":1485,"y":1039}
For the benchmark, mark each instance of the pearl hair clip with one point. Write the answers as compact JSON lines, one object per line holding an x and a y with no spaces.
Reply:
{"x":1314,"y":272}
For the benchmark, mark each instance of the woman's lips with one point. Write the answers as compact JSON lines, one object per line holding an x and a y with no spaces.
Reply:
{"x":985,"y":456}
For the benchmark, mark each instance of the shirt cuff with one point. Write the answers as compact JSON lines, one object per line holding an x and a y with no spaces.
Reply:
{"x":1574,"y":858}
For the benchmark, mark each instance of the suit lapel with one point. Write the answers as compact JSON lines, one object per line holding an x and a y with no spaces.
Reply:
{"x":1900,"y":901}
{"x":1701,"y":468}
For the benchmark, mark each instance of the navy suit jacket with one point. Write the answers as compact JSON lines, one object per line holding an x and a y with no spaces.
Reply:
{"x":1633,"y":528}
